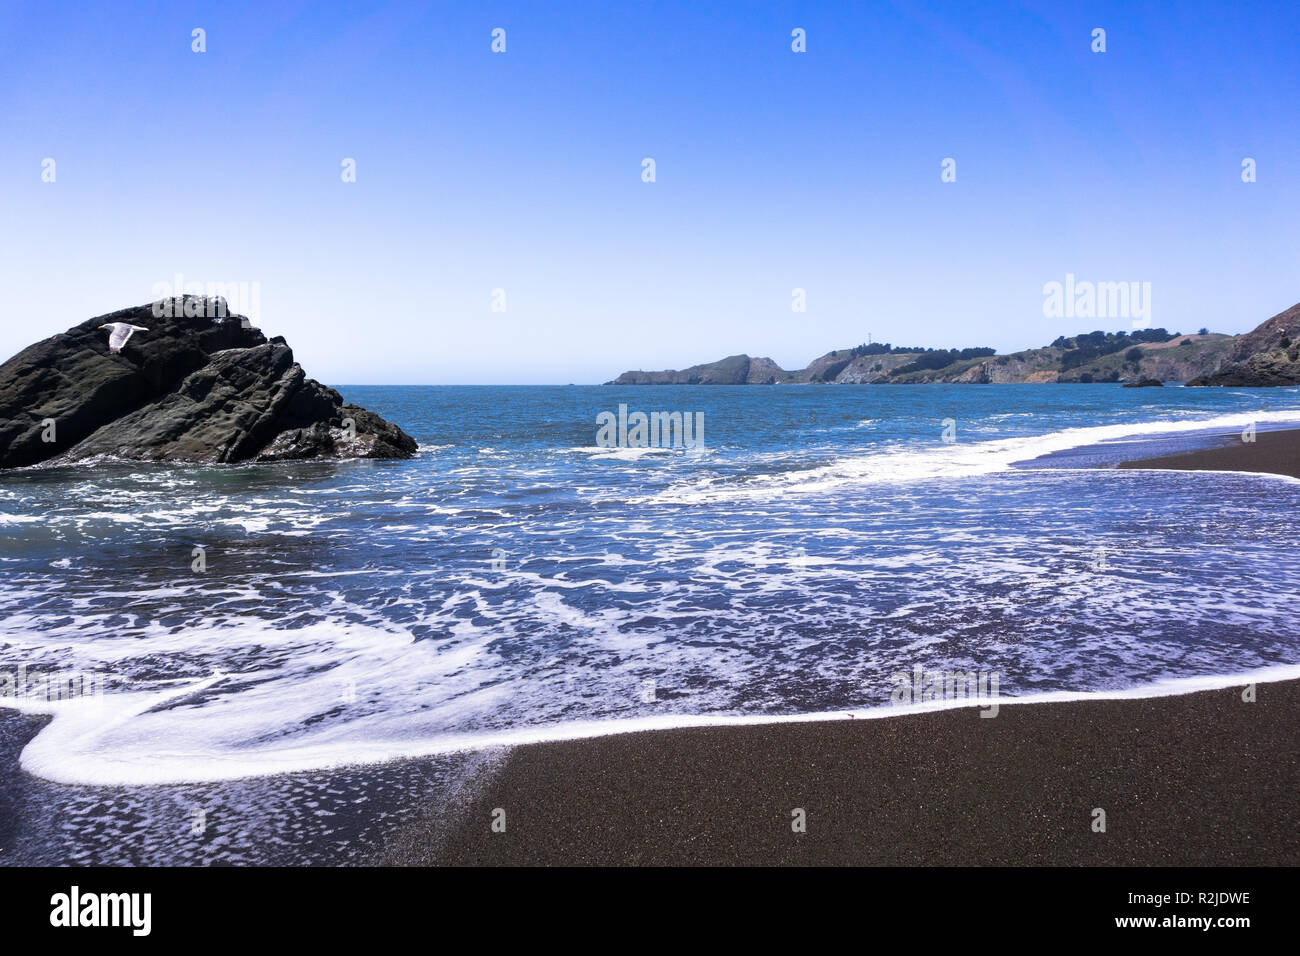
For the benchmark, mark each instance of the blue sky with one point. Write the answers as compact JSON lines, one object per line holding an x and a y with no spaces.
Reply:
{"x":521,"y":171}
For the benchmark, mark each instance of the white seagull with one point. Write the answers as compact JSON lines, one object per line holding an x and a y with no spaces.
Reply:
{"x":119,"y":332}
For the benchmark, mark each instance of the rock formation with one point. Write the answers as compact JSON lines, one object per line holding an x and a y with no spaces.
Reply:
{"x":190,"y":389}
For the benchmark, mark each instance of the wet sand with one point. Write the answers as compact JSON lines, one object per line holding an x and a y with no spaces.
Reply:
{"x":1275,"y":452}
{"x":334,"y":817}
{"x":1196,"y":779}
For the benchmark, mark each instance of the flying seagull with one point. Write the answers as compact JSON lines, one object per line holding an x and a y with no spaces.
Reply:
{"x":119,"y":332}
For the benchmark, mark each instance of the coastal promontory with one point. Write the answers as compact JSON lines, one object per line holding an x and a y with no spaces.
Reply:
{"x":1268,"y":355}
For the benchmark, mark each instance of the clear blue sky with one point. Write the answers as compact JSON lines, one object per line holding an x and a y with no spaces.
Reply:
{"x":522,"y":171}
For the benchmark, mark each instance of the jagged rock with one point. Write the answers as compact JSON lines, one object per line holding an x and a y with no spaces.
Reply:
{"x":1265,"y":370}
{"x":192,"y":388}
{"x":369,"y":437}
{"x":1144,"y":383}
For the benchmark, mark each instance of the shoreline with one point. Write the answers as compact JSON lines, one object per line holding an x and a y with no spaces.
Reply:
{"x":1271,"y":452}
{"x":1186,"y":777}
{"x":676,"y":789}
{"x":1204,"y":778}
{"x":504,"y":740}
{"x":1199,"y":778}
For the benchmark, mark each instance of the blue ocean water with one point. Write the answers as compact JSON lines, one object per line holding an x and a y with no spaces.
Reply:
{"x":517,"y":578}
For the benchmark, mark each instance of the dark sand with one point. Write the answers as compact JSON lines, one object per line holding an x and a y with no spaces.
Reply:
{"x":1276,"y":452}
{"x":1194,"y":779}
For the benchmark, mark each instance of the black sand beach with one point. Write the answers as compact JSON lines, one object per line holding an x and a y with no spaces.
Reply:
{"x":1275,"y":452}
{"x":1197,"y":779}
{"x":1204,"y":779}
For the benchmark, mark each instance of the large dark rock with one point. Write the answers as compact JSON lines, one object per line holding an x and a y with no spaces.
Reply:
{"x":192,"y":388}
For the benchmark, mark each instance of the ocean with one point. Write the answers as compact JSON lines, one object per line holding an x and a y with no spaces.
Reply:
{"x":262,"y":649}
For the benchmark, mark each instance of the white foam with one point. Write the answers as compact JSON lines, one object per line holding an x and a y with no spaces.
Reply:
{"x":960,"y":459}
{"x":619,"y":453}
{"x":19,"y":519}
{"x":66,"y":750}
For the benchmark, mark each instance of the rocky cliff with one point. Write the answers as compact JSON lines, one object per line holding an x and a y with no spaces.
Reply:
{"x":1267,"y":356}
{"x":189,"y":389}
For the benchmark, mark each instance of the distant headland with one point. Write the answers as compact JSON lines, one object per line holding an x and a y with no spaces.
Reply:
{"x":1269,"y":355}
